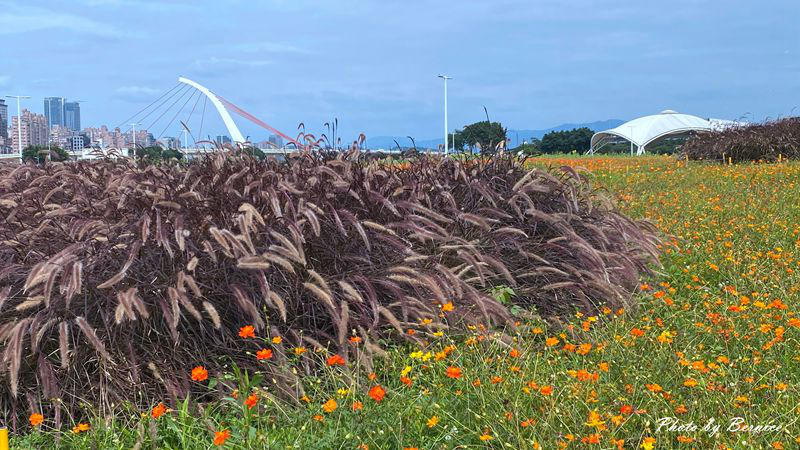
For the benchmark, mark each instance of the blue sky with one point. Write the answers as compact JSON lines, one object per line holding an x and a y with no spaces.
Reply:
{"x":373,"y":64}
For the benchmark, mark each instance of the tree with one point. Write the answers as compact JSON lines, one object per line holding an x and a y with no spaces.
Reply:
{"x":39,"y":153}
{"x":255,"y":152}
{"x":567,"y":141}
{"x":484,"y":135}
{"x":531,"y":148}
{"x":157,"y":153}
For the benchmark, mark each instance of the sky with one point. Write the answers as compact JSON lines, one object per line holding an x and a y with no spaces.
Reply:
{"x":373,"y":65}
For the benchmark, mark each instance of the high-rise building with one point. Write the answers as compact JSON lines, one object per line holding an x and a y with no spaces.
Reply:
{"x":60,"y":136}
{"x":276,"y":141}
{"x":223,"y":140}
{"x":3,"y":119}
{"x":34,"y":130}
{"x":104,"y":138}
{"x":78,"y":141}
{"x":72,"y":116}
{"x":171,"y":143}
{"x":54,"y":111}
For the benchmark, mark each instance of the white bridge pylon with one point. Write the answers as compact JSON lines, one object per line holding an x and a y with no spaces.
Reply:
{"x":236,"y":135}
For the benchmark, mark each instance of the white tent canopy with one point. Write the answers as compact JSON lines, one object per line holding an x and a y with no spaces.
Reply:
{"x":647,"y":129}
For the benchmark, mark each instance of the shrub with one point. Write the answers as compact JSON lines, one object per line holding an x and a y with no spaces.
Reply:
{"x":118,"y":277}
{"x":38,"y":153}
{"x":760,"y":142}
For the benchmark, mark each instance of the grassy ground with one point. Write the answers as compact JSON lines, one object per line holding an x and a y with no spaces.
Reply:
{"x":715,"y":339}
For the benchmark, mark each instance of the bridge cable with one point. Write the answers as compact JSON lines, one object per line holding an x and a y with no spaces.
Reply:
{"x":202,"y":118}
{"x":181,"y":91}
{"x":256,"y":120}
{"x":168,"y":109}
{"x":190,"y":118}
{"x":145,"y":108}
{"x":177,"y":113}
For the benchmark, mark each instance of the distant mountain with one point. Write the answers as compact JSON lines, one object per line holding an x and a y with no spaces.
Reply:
{"x":516,"y":136}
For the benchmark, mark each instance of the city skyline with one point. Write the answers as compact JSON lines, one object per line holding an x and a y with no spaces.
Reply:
{"x":379,"y":76}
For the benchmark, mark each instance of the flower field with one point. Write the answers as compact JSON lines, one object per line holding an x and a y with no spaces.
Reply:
{"x":708,"y":359}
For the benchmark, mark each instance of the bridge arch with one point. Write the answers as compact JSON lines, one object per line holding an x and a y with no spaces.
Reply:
{"x":233,"y":130}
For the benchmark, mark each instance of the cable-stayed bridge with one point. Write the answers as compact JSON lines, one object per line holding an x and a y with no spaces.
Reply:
{"x":173,"y":108}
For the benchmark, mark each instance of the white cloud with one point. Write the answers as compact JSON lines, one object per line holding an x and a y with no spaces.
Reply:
{"x":22,"y":19}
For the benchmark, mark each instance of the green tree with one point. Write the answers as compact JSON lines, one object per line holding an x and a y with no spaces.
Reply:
{"x":155,"y":152}
{"x":567,"y":141}
{"x":254,"y":152}
{"x":40,"y":153}
{"x":531,"y":148}
{"x":483,"y":135}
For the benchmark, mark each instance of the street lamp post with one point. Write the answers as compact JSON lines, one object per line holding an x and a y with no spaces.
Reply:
{"x":445,"y":78}
{"x":19,"y":122}
{"x":133,"y":128}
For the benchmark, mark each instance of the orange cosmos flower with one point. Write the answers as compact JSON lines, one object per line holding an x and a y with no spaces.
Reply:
{"x":277,"y":340}
{"x":158,"y":411}
{"x":358,"y":406}
{"x":514,"y":353}
{"x":36,"y":419}
{"x":251,"y":401}
{"x":591,"y":439}
{"x":655,"y":387}
{"x":637,"y":332}
{"x":264,"y":353}
{"x":377,"y":393}
{"x":406,"y":381}
{"x":453,"y":372}
{"x":299,"y":350}
{"x":221,"y":436}
{"x":199,"y":373}
{"x":247,"y":332}
{"x":355,"y":339}
{"x":329,"y":406}
{"x":335,"y":360}
{"x":626,"y":409}
{"x":447,"y":307}
{"x":486,"y":437}
{"x":546,"y":390}
{"x":584,"y":348}
{"x":80,"y":428}
{"x":551,"y":341}
{"x":433,"y":421}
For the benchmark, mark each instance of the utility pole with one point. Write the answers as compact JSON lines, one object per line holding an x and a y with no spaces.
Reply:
{"x":133,"y":127}
{"x":19,"y":123}
{"x":185,"y":140}
{"x":445,"y":78}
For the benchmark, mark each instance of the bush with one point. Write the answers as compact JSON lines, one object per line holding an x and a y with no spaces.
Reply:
{"x":118,"y":277}
{"x":38,"y":153}
{"x":760,"y":142}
